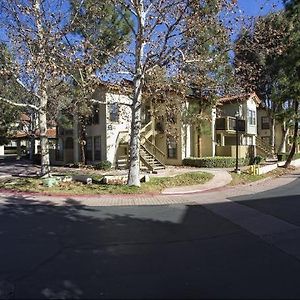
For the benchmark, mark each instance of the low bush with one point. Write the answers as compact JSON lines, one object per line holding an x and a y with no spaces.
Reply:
{"x":284,"y":156}
{"x":103,"y":165}
{"x":37,"y":159}
{"x":257,"y":160}
{"x":214,"y":162}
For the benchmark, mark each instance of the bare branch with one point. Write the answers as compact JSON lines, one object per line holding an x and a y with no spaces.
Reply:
{"x":109,"y":103}
{"x":19,"y":104}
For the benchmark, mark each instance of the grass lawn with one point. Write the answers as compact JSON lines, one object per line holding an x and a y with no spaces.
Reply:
{"x":245,"y":177}
{"x":156,"y":184}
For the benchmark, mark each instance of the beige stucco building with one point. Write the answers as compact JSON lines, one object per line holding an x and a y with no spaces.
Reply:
{"x":108,"y":134}
{"x":221,"y":141}
{"x":282,"y":139}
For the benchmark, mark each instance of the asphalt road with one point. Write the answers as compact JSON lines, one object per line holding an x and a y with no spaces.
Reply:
{"x":178,"y":251}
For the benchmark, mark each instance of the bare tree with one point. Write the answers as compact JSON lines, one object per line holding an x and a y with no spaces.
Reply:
{"x":34,"y":32}
{"x":158,"y":34}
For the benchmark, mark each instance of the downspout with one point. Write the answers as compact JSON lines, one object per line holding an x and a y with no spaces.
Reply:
{"x":213,"y":132}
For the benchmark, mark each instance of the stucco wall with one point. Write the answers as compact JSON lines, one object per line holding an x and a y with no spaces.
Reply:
{"x":113,"y":129}
{"x":231,"y":151}
{"x":250,"y":105}
{"x":109,"y":130}
{"x":265,"y":134}
{"x":97,"y":130}
{"x":205,"y":145}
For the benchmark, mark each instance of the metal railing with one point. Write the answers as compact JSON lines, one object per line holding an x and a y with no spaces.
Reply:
{"x":265,"y":147}
{"x":228,"y":123}
{"x":154,"y":151}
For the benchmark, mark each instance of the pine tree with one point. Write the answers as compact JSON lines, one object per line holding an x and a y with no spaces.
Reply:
{"x":102,"y":32}
{"x":257,"y":55}
{"x":290,"y":67}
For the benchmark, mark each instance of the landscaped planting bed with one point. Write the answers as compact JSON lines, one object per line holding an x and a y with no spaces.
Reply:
{"x":156,"y":184}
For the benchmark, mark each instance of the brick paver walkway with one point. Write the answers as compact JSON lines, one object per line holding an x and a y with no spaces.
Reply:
{"x":205,"y":197}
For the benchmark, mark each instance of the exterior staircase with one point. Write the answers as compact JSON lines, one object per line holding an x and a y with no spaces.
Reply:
{"x":150,"y":161}
{"x":122,"y":162}
{"x":151,"y":156}
{"x":265,"y":149}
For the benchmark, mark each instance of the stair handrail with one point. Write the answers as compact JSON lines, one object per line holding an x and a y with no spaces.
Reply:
{"x":143,"y":129}
{"x":260,"y":143}
{"x":149,"y":152}
{"x":144,"y":161}
{"x":156,"y":149}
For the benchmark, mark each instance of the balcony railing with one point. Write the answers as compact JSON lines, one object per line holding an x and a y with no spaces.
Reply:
{"x":228,"y":124}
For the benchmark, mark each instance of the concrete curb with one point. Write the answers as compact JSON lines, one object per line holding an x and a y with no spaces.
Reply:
{"x":140,"y":199}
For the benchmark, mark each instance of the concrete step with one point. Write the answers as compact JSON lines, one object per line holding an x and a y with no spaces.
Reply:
{"x":159,"y":168}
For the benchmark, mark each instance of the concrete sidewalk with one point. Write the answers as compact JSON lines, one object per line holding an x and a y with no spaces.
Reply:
{"x":221,"y":178}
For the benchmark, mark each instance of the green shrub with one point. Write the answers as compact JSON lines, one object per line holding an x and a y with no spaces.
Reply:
{"x":284,"y":156}
{"x":103,"y":165}
{"x":214,"y":162}
{"x":257,"y":160}
{"x":37,"y":159}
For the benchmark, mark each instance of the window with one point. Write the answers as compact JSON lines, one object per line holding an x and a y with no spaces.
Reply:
{"x":172,"y":148}
{"x":94,"y":118}
{"x":96,"y":114}
{"x":171,"y":117}
{"x":60,"y":131}
{"x":159,"y":125}
{"x":97,"y":148}
{"x":89,"y":148}
{"x":69,"y":143}
{"x":251,"y":117}
{"x":265,"y":123}
{"x":59,"y":152}
{"x":114,"y":112}
{"x":146,"y":114}
{"x":68,"y":131}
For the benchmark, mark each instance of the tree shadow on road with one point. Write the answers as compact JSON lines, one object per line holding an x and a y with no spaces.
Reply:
{"x":182,"y":251}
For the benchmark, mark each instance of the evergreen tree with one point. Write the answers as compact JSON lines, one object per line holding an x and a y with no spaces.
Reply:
{"x":11,"y":90}
{"x":102,"y":32}
{"x":257,"y":55}
{"x":290,"y":67}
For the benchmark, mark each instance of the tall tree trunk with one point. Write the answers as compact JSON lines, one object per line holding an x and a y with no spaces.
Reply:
{"x":285,"y":131}
{"x":273,"y":132}
{"x":134,"y":161}
{"x":82,"y":142}
{"x":295,"y":136}
{"x":42,"y":86}
{"x":76,"y":137}
{"x":45,"y":159}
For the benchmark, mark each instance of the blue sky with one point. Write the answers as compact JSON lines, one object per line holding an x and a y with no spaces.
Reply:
{"x":253,"y":7}
{"x":250,"y":7}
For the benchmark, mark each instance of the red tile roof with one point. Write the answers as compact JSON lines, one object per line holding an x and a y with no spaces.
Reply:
{"x":239,"y":98}
{"x":51,"y":133}
{"x":24,"y":118}
{"x":21,"y":134}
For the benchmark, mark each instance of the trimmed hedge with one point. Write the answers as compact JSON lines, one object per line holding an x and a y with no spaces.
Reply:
{"x":284,"y":156}
{"x":214,"y":162}
{"x":103,"y":165}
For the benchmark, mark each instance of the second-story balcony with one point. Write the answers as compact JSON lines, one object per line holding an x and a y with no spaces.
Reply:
{"x":228,"y":124}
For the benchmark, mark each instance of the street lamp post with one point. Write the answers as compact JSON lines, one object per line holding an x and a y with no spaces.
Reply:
{"x":237,"y":170}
